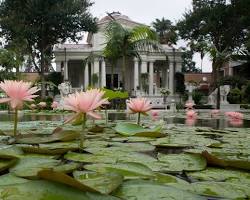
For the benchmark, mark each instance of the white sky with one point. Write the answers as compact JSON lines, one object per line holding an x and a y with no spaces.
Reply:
{"x":146,"y":11}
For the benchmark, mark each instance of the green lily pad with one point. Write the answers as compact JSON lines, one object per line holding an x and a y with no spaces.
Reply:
{"x":182,"y":162}
{"x":128,"y":170}
{"x":64,"y":136}
{"x":28,"y":167}
{"x":130,"y":129}
{"x":89,"y":158}
{"x":148,"y":190}
{"x":7,"y":163}
{"x":221,"y":175}
{"x":46,"y":190}
{"x":51,"y":148}
{"x":10,"y":152}
{"x":104,"y":183}
{"x":221,"y":189}
{"x":224,"y":160}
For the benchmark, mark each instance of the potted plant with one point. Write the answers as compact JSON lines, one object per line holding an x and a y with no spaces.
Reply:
{"x":164,"y":92}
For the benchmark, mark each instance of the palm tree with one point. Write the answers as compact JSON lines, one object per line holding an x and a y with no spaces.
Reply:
{"x":165,"y":30}
{"x":123,"y":43}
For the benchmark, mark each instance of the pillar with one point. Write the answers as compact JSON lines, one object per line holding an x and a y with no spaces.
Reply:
{"x":96,"y":71}
{"x":171,"y":77}
{"x":143,"y":67}
{"x":151,"y":78}
{"x":230,"y":71}
{"x":86,"y":76}
{"x":136,"y":74}
{"x":66,"y":72}
{"x":103,"y":75}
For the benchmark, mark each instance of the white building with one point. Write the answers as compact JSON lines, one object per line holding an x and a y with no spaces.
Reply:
{"x":144,"y":77}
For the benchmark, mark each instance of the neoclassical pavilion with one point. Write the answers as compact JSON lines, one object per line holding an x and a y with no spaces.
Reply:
{"x":144,"y":77}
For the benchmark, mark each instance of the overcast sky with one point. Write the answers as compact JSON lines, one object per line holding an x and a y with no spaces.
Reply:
{"x":146,"y":11}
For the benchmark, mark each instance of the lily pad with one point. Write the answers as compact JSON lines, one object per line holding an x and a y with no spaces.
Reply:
{"x":63,"y":136}
{"x":130,"y":129}
{"x":7,"y":163}
{"x":221,"y":189}
{"x":182,"y":162}
{"x":28,"y":167}
{"x":149,"y":190}
{"x":104,"y":183}
{"x":129,"y":170}
{"x":46,"y":190}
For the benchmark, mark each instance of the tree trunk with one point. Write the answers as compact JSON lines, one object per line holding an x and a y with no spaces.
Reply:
{"x":112,"y":76}
{"x":43,"y":89}
{"x":218,"y":86}
{"x":123,"y":72}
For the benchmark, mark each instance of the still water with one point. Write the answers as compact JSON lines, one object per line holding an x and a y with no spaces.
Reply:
{"x":219,"y":123}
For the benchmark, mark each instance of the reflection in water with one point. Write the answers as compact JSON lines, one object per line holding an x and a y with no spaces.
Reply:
{"x":216,"y":123}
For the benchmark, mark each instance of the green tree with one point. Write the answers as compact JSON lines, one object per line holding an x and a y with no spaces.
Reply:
{"x":217,"y":23}
{"x":8,"y":63}
{"x":123,"y":43}
{"x":43,"y":23}
{"x":166,"y":31}
{"x":188,"y":65}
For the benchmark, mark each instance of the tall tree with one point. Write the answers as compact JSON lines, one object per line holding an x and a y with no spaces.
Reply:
{"x":217,"y":23}
{"x":166,"y":31}
{"x":188,"y":65}
{"x":43,"y":23}
{"x":123,"y":43}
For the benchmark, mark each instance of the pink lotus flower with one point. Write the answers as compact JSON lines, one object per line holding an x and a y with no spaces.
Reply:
{"x":139,"y":105}
{"x":85,"y":102}
{"x":189,"y":105}
{"x":235,"y":118}
{"x":191,"y":117}
{"x":42,"y":104}
{"x":215,"y":113}
{"x":17,"y":92}
{"x":155,"y":115}
{"x":54,"y":105}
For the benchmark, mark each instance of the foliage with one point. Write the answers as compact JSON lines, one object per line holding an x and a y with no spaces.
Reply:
{"x":188,"y":65}
{"x":94,"y":79}
{"x":125,"y":43}
{"x":8,"y":62}
{"x":180,"y":86}
{"x":234,"y":96}
{"x":246,"y":93}
{"x":233,"y":81}
{"x":166,"y":31}
{"x":197,"y":96}
{"x":111,"y":94}
{"x":42,"y":23}
{"x":56,"y":78}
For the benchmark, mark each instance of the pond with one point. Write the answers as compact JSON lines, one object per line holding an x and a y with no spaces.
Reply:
{"x":121,"y":161}
{"x":170,"y":118}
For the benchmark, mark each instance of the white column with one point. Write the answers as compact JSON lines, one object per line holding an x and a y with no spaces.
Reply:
{"x":103,"y":76}
{"x":58,"y":66}
{"x":96,"y":71}
{"x":66,"y":72}
{"x":171,"y":77}
{"x":230,"y":71}
{"x":136,"y":74}
{"x":151,"y":78}
{"x":143,"y":67}
{"x":86,"y":76}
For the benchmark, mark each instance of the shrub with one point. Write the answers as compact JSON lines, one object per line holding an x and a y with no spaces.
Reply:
{"x":234,"y":96}
{"x":246,"y":93}
{"x":197,"y":96}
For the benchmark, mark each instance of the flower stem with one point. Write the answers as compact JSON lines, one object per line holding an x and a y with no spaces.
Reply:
{"x":139,"y":118}
{"x":15,"y":122}
{"x":82,"y":136}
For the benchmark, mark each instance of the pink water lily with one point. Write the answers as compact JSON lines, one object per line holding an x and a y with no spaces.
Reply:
{"x":191,"y":117}
{"x":140,"y":106}
{"x":155,"y":114}
{"x":54,"y":104}
{"x":85,"y":102}
{"x":17,"y":92}
{"x":235,"y":118}
{"x":189,"y":105}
